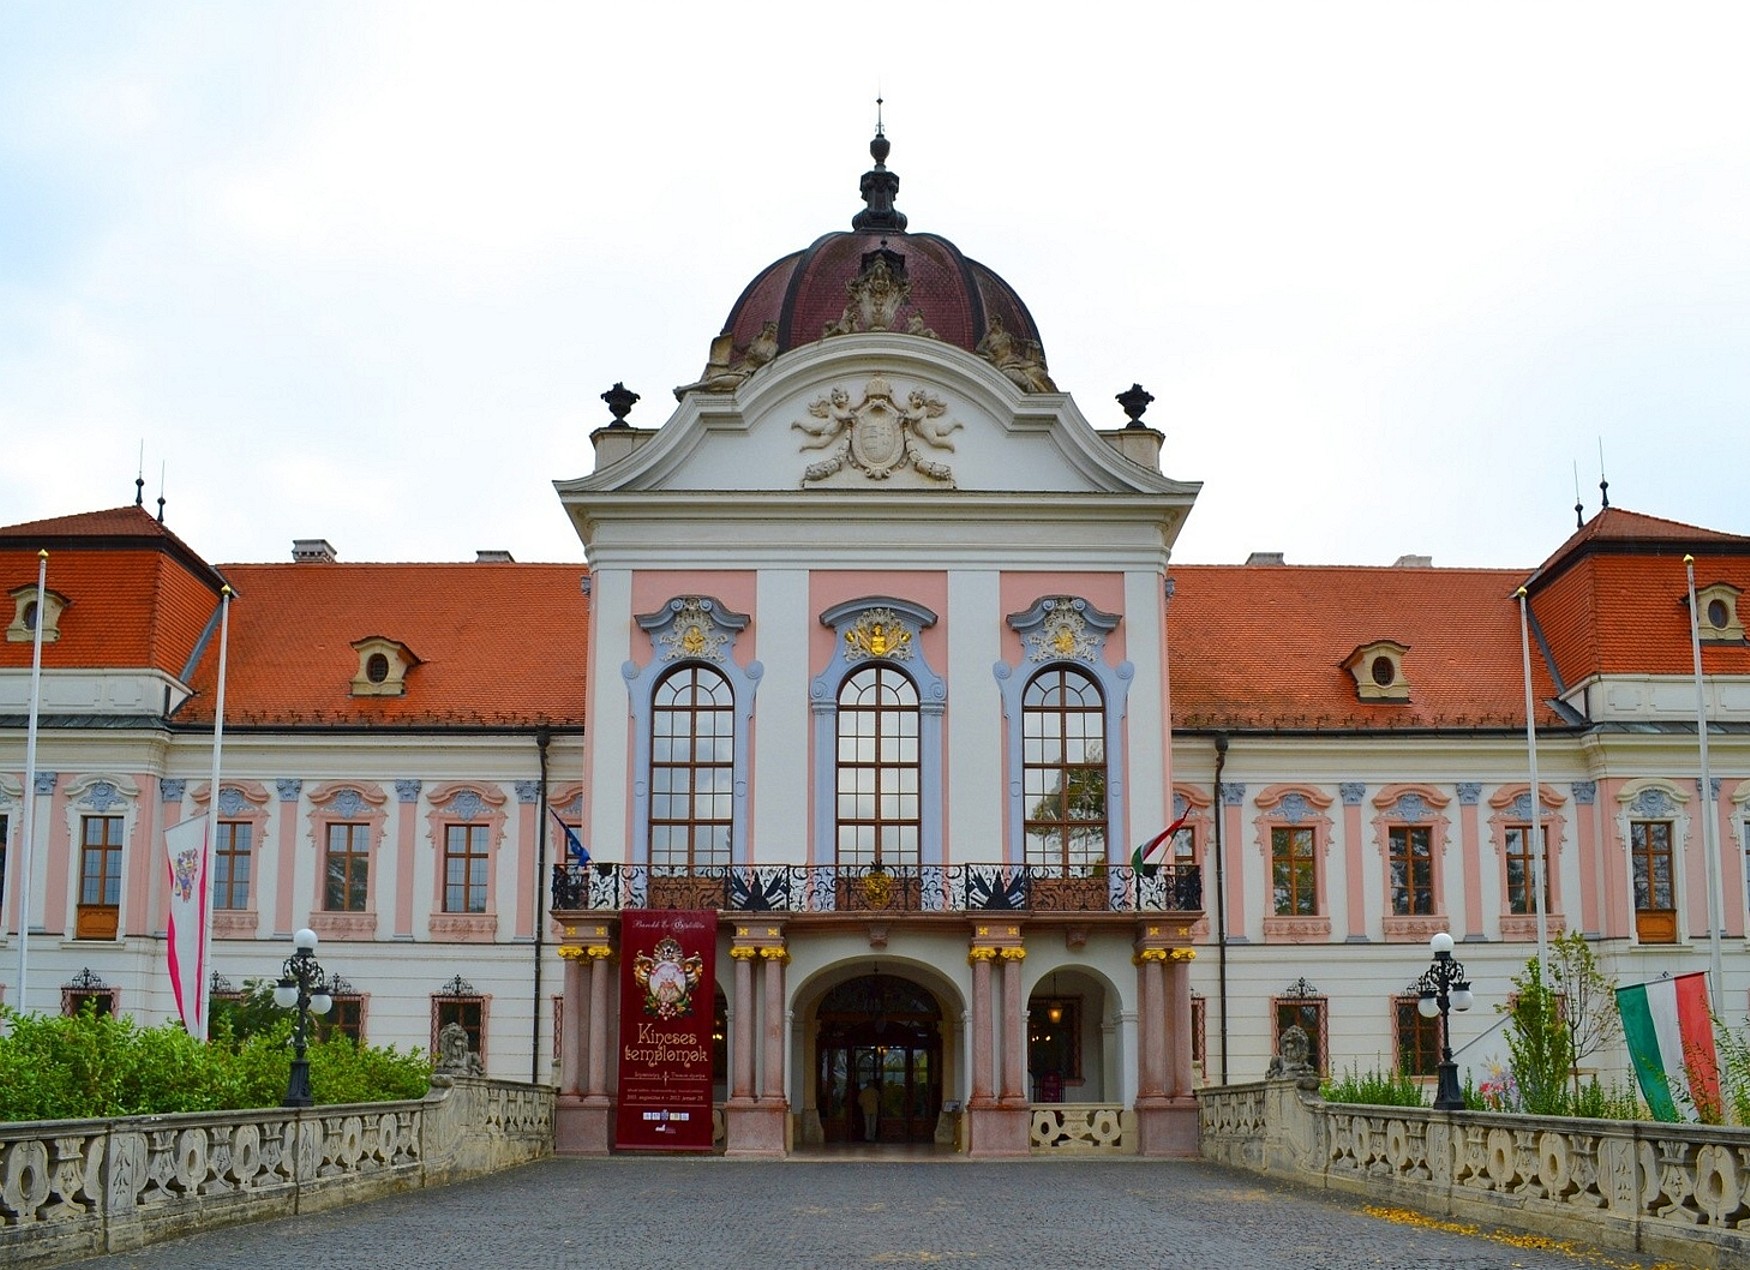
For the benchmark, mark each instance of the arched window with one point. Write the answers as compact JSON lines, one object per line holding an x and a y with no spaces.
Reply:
{"x":692,"y":769}
{"x":1063,"y":769}
{"x":879,"y":813}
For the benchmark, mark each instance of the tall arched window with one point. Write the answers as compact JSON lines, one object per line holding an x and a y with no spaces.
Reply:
{"x":879,"y":815}
{"x":692,"y":769}
{"x":1063,"y":769}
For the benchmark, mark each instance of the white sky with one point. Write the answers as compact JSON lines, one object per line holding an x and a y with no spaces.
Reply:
{"x":360,"y":272}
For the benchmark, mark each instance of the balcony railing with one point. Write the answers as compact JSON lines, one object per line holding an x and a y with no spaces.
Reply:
{"x":827,"y":888}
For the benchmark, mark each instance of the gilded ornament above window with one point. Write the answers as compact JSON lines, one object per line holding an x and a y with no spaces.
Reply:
{"x":879,"y":633}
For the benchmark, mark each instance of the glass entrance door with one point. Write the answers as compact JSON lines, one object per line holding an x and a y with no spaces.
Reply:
{"x":878,"y":1062}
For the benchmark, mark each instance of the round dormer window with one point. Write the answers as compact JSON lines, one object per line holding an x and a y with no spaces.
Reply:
{"x":1718,"y":615}
{"x":1383,"y":671}
{"x":377,"y":668}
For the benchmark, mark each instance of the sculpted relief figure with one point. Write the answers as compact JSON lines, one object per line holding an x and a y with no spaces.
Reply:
{"x":879,"y":435}
{"x":1023,"y":361}
{"x":724,"y":371}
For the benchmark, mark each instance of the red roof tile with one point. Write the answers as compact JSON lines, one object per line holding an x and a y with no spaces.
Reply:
{"x":499,"y":645}
{"x":1263,"y":646}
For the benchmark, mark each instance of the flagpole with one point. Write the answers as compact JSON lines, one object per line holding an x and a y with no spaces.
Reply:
{"x":212,"y":837}
{"x":1536,"y":848}
{"x":1709,"y":825}
{"x":24,"y":859}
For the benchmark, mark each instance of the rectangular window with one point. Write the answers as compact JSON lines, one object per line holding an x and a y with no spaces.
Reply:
{"x":1293,"y":876}
{"x":100,"y":877}
{"x":1522,"y":871}
{"x":1412,"y":870}
{"x":346,"y":869}
{"x":231,"y":864}
{"x":1309,"y":1013}
{"x":469,"y":1012}
{"x":465,"y":868}
{"x":1418,"y":1038}
{"x":1199,"y":1012}
{"x":346,"y":1017}
{"x":75,"y":1001}
{"x":1650,"y":856}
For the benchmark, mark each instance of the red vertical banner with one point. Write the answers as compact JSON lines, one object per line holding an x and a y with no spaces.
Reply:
{"x":668,"y":981}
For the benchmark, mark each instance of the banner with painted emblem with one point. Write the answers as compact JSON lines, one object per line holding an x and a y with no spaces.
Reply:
{"x":186,"y":847}
{"x":668,"y":980}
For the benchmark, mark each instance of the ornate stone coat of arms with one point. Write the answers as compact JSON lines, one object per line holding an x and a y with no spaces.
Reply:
{"x":880,"y":434}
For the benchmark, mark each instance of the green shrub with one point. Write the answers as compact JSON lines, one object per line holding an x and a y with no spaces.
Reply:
{"x":1595,"y":1102}
{"x":93,"y":1067}
{"x":1374,"y":1088}
{"x":1539,"y":1045}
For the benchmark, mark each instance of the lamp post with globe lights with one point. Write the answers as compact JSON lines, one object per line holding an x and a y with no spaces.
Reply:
{"x":302,"y":987}
{"x":1443,"y":989}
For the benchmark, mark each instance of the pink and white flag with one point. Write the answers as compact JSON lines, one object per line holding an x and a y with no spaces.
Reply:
{"x":186,"y":846}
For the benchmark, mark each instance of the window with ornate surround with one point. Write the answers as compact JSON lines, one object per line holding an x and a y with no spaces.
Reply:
{"x":458,"y":1002}
{"x":24,"y":615}
{"x":1654,"y":825}
{"x":243,"y":821}
{"x":1306,"y":1006}
{"x":383,"y":667}
{"x":692,"y":712}
{"x":104,"y":808}
{"x":465,"y":822}
{"x":1415,"y":1039}
{"x":1191,"y":842}
{"x":347,"y":822}
{"x":1511,"y":810}
{"x":1063,"y":660}
{"x":1411,"y":833}
{"x":878,"y":709}
{"x":1294,"y":835}
{"x":1718,"y":619}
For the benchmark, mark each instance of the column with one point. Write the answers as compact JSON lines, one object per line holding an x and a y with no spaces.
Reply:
{"x":1014,"y":1030}
{"x":599,"y":1032}
{"x":982,"y":1049}
{"x":1150,"y":1051}
{"x":572,"y":1045}
{"x":741,"y":1026}
{"x":772,"y":1060}
{"x":1179,"y":1035}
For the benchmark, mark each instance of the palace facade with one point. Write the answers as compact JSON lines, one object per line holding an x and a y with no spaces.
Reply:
{"x":882,"y":654}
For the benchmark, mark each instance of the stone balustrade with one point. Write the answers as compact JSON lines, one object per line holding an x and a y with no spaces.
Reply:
{"x":1082,"y":1127}
{"x":1677,"y":1191}
{"x":78,"y":1188}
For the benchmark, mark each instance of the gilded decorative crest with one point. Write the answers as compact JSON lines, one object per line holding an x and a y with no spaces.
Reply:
{"x":878,"y":633}
{"x":668,"y":976}
{"x":692,"y":634}
{"x":880,"y":434}
{"x":1063,"y":633}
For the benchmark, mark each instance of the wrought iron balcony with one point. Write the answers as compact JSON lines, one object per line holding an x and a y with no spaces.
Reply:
{"x":827,"y":888}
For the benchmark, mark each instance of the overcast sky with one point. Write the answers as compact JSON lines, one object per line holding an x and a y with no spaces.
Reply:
{"x":361,"y":271}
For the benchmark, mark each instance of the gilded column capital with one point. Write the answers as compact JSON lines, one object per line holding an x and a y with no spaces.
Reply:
{"x":743,"y":954}
{"x":1149,"y":954}
{"x":1012,"y":954}
{"x":1183,"y":954}
{"x":601,"y":952}
{"x":976,"y":955}
{"x":571,"y":952}
{"x":780,"y":955}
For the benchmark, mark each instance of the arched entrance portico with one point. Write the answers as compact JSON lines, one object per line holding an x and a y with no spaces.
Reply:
{"x":878,"y":1033}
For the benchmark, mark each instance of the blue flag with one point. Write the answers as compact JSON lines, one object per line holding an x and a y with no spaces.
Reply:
{"x":575,"y":851}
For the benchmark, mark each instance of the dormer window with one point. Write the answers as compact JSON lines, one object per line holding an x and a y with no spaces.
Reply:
{"x":383,"y":667}
{"x":1378,"y":669}
{"x":25,"y":615}
{"x":1717,"y":613}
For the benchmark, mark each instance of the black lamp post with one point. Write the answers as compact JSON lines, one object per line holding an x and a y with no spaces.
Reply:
{"x":304,"y":988}
{"x":1444,"y":989}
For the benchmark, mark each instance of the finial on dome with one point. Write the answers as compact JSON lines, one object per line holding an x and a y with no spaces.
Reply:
{"x":880,"y":186}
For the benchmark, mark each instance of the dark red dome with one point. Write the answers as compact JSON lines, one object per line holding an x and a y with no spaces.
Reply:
{"x":877,"y":277}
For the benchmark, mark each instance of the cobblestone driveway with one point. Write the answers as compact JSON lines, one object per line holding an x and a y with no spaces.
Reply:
{"x":661,"y":1212}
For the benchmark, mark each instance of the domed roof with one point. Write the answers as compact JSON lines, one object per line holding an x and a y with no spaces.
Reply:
{"x":876,"y":277}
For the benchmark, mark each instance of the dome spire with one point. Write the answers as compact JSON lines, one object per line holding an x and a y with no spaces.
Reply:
{"x":879,"y":186}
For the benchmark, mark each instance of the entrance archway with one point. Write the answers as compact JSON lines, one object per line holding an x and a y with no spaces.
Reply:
{"x":884,"y":1032}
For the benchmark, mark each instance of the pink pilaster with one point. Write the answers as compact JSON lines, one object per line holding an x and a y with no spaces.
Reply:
{"x":406,"y":828}
{"x":1357,"y":887}
{"x":741,"y":1026}
{"x":1014,"y":1087}
{"x":982,"y":1048}
{"x":772,"y":1026}
{"x":599,"y":1034}
{"x":1471,"y":848}
{"x":575,"y":1024}
{"x":63,"y":857}
{"x":1150,"y":1051}
{"x":1592,"y":885}
{"x":286,"y":843}
{"x":1732,"y":882}
{"x":146,"y":867}
{"x":1179,"y":1036}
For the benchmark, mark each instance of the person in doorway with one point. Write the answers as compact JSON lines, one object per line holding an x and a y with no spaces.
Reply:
{"x":869,"y":1103}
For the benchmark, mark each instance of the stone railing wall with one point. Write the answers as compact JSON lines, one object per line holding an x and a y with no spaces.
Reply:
{"x":1081,"y":1127}
{"x":78,"y":1188}
{"x":1677,"y":1191}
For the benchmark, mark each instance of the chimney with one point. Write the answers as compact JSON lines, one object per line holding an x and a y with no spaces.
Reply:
{"x":487,"y":555}
{"x":1414,"y":562}
{"x":1265,"y":557}
{"x":312,"y":551}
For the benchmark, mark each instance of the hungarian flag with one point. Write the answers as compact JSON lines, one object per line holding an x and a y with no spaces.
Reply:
{"x":1670,"y":1036}
{"x":186,"y":846}
{"x":1141,"y":854}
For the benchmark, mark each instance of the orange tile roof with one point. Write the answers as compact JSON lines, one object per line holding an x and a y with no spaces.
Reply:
{"x":1263,"y":646}
{"x":138,"y":596}
{"x":499,"y":645}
